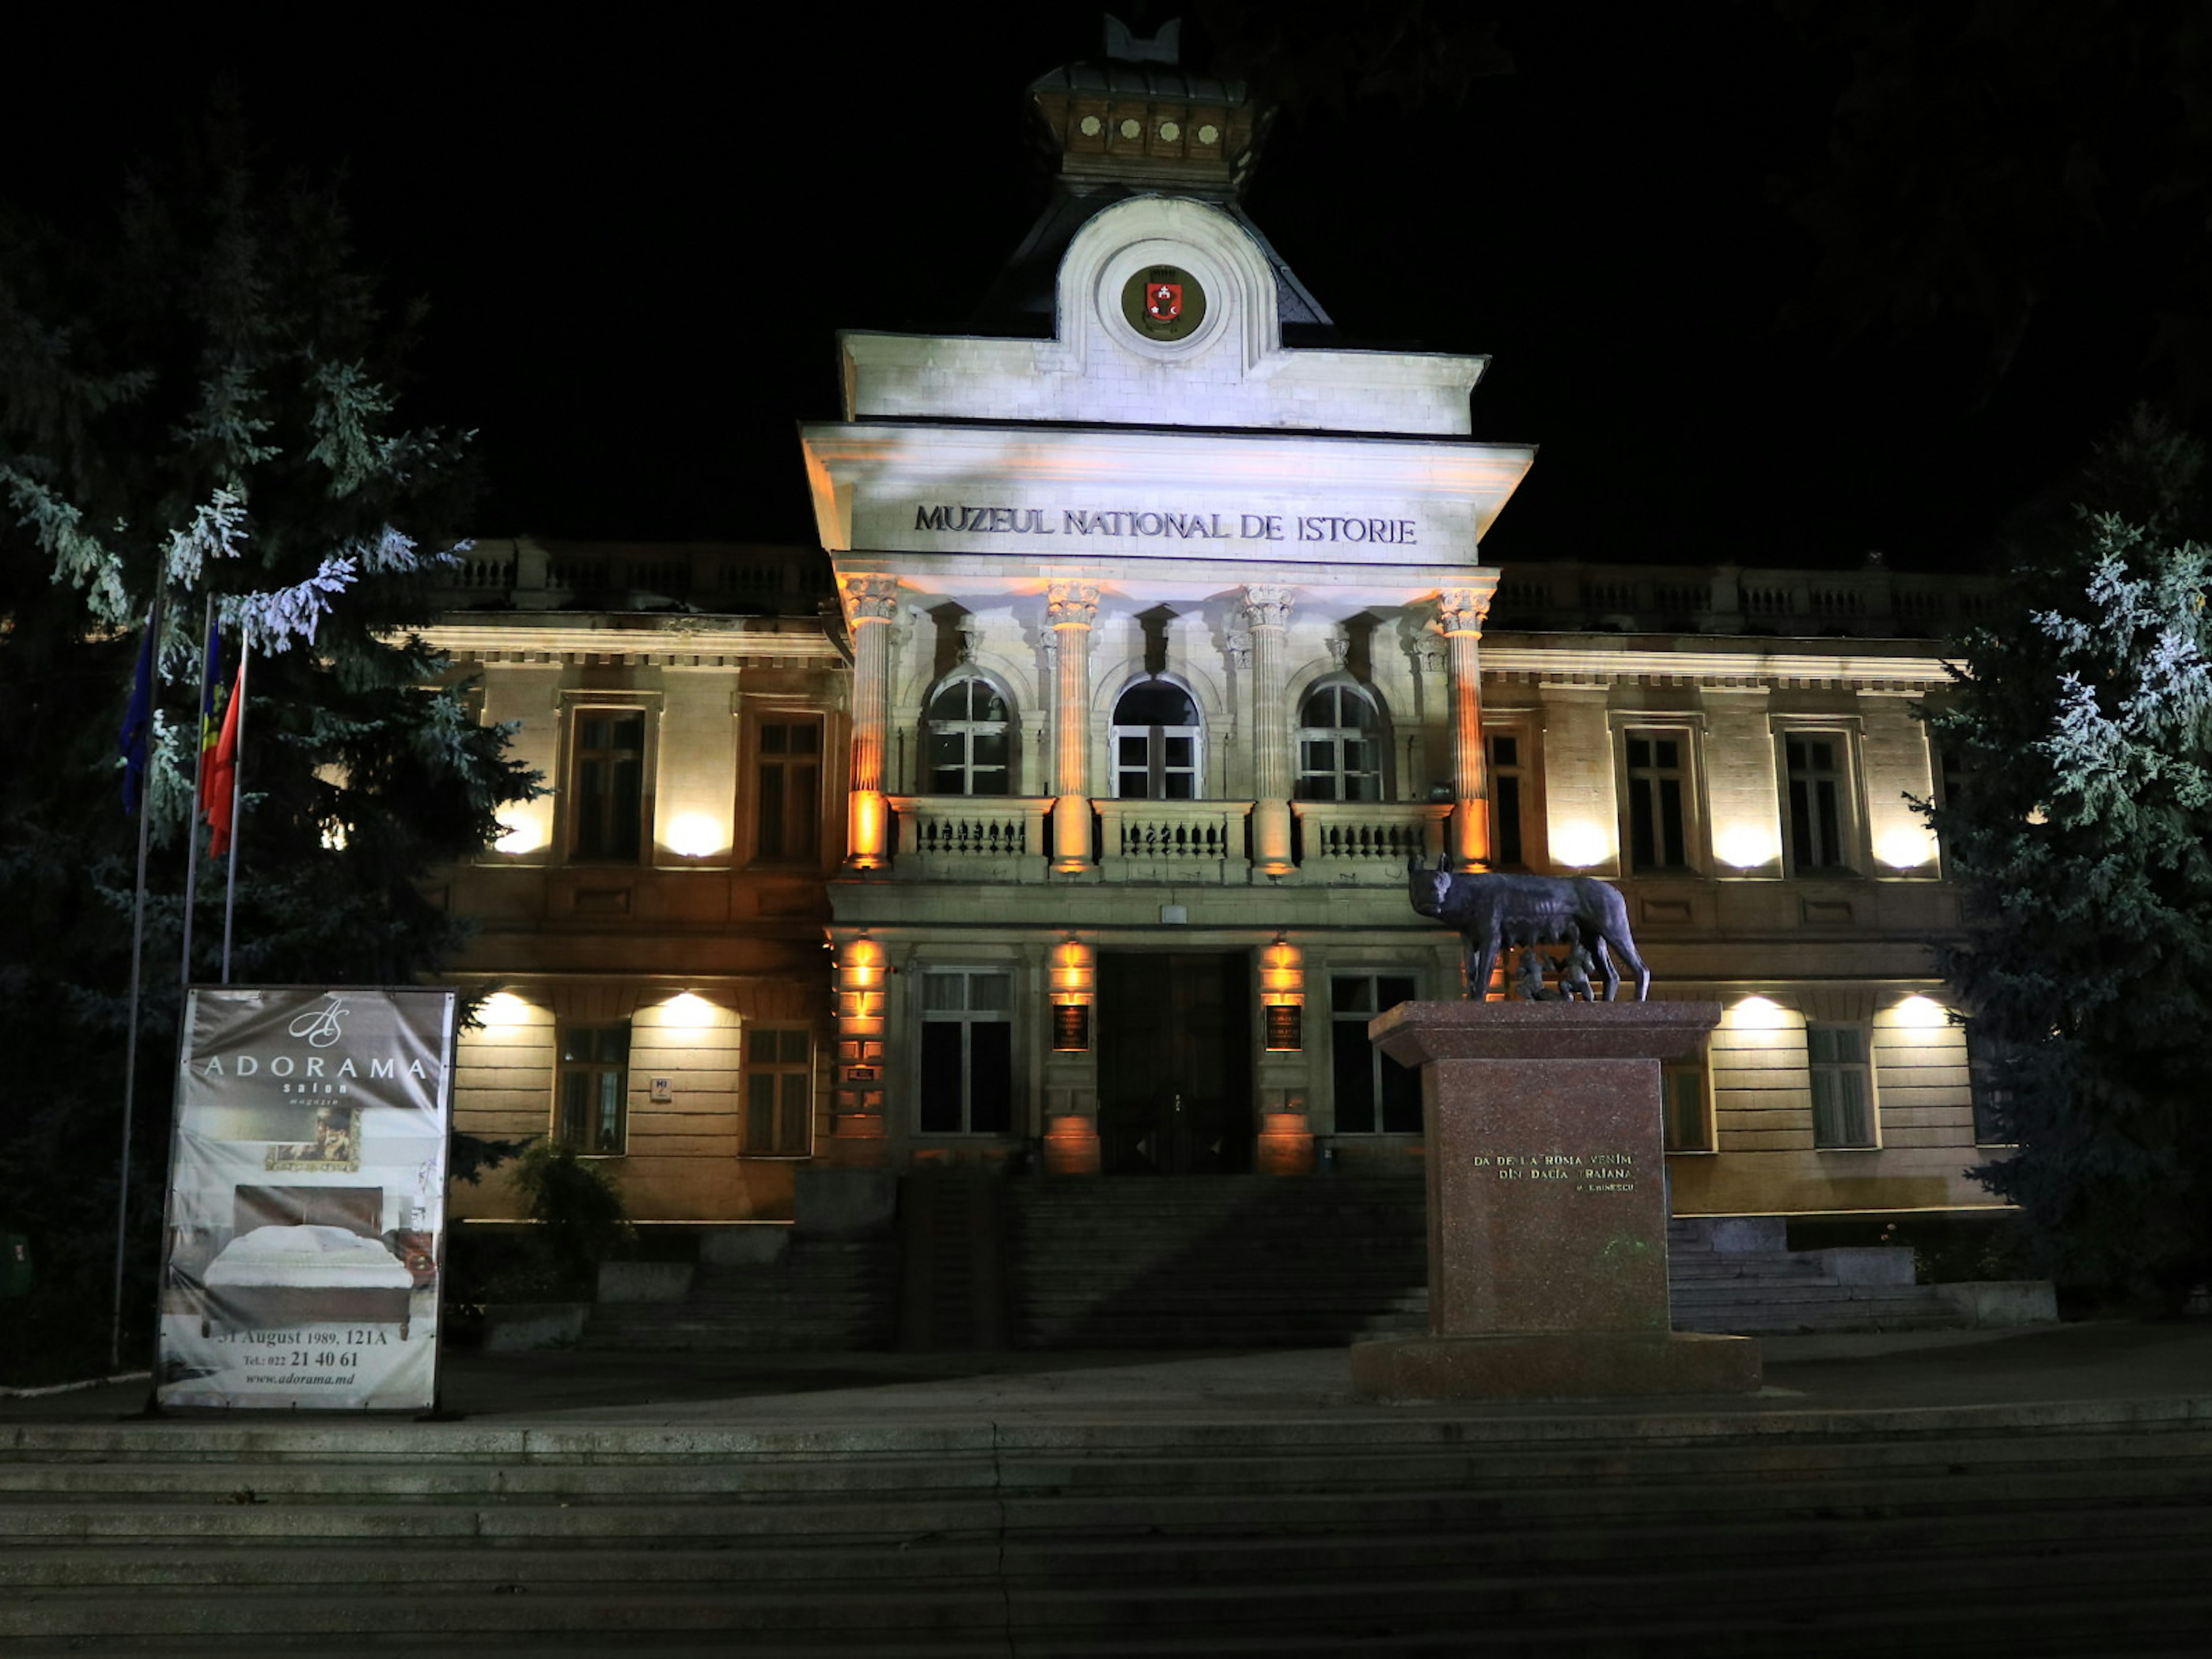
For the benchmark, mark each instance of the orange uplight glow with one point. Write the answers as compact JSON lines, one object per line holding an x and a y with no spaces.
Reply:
{"x":864,"y":826}
{"x":864,"y":964}
{"x":1283,"y":996}
{"x":1070,"y":1146}
{"x":1074,"y":973}
{"x":860,"y":970}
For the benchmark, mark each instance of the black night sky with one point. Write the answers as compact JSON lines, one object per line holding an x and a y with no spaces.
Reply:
{"x":637,"y":244}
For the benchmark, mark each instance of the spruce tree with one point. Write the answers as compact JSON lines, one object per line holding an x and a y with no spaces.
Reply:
{"x":204,"y":400}
{"x":2080,"y":835}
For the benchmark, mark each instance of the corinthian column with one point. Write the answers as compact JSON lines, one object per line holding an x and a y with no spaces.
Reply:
{"x":1071,"y":607}
{"x":1267,"y":615}
{"x":870,"y":602}
{"x":1460,"y":612}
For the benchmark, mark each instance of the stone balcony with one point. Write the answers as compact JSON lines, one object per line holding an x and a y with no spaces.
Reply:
{"x":972,"y":837}
{"x":1203,"y":842}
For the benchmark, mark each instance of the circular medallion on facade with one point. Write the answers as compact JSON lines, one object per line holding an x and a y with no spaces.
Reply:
{"x":1163,"y":302}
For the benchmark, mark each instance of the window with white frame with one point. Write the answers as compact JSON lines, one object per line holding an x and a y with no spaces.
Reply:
{"x":591,"y":1107}
{"x":1658,"y":799}
{"x":967,"y":1051}
{"x":778,"y":1064}
{"x":1817,"y":801}
{"x":1155,"y":737}
{"x":1992,"y":1090}
{"x":969,"y":745}
{"x":1843,"y":1087}
{"x":606,"y":784}
{"x":1374,"y":1094}
{"x":1339,"y":745}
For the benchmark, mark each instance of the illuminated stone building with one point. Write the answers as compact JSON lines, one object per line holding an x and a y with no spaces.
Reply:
{"x":654,"y":923}
{"x":1166,"y":639}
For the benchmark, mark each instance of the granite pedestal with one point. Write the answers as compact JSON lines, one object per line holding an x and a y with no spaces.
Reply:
{"x":1548,"y":1205}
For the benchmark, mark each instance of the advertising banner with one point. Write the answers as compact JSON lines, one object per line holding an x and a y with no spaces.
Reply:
{"x":306,"y":1199}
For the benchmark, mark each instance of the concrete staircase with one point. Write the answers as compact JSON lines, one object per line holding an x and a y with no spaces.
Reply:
{"x":1259,"y":1261}
{"x":1227,"y":1261}
{"x":952,"y":1254}
{"x":1739,"y":1277}
{"x":1251,"y":1261}
{"x":825,"y":1294}
{"x":1974,"y":1530}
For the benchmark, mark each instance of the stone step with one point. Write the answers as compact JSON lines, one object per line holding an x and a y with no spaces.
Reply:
{"x":1513,"y":1526}
{"x":1891,"y":1594}
{"x":788,"y":1542}
{"x":1664,"y":1446}
{"x":1257,"y":1582}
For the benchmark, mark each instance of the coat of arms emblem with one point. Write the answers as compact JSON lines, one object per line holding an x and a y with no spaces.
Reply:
{"x":1163,"y":302}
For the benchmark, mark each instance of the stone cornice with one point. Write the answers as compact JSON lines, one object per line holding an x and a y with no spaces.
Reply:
{"x":1907,"y":670}
{"x":663,"y":640}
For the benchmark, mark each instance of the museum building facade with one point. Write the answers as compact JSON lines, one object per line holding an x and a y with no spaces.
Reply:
{"x":1063,"y":820}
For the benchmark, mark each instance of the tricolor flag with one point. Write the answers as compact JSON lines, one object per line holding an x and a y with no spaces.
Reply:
{"x":221,"y":787}
{"x":137,"y":722}
{"x":211,"y":707}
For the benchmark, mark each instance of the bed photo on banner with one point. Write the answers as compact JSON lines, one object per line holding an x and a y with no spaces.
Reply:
{"x":306,"y":1199}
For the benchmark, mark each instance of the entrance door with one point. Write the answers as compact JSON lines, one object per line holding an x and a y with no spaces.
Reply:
{"x":1175,"y":1063}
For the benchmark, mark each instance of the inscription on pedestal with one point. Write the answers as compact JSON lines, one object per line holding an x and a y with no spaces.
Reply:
{"x":1580,"y":1172}
{"x":1547,"y":1210}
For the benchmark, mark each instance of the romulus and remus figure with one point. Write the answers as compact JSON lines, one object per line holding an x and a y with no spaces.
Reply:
{"x":1492,"y":911}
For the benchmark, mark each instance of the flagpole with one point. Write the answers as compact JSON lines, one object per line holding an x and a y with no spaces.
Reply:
{"x":137,"y":958}
{"x":237,"y":796}
{"x":192,"y":822}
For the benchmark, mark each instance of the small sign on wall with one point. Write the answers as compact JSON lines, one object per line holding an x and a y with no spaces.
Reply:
{"x":1071,"y":1025}
{"x":664,"y":1091}
{"x":1285,"y":1025}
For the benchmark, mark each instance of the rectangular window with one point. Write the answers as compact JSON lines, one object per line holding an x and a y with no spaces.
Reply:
{"x":967,"y":1051}
{"x":1992,"y":1097}
{"x":1658,"y":800}
{"x":1373,"y":1092}
{"x":593,"y":1109}
{"x":787,"y":791}
{"x":1819,"y":798}
{"x":1507,"y":797}
{"x":1843,"y":1087}
{"x":779,"y":1092}
{"x":606,"y":784}
{"x":1686,"y":1122}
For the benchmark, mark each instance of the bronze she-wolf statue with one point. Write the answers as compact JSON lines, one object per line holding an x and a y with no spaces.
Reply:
{"x":1492,"y":911}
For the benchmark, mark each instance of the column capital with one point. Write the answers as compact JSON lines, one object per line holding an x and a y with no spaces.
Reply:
{"x":1462,"y":610}
{"x":1269,"y":606}
{"x":1071,"y":604}
{"x":868,"y":598}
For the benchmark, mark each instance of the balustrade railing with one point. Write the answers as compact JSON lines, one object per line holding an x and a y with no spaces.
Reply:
{"x":971,"y":837}
{"x":1366,"y":843}
{"x":1341,"y":843}
{"x":1173,"y":840}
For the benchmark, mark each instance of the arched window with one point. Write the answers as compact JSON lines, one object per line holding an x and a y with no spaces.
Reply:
{"x":1155,"y":737}
{"x":1339,"y":745}
{"x":969,"y":745}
